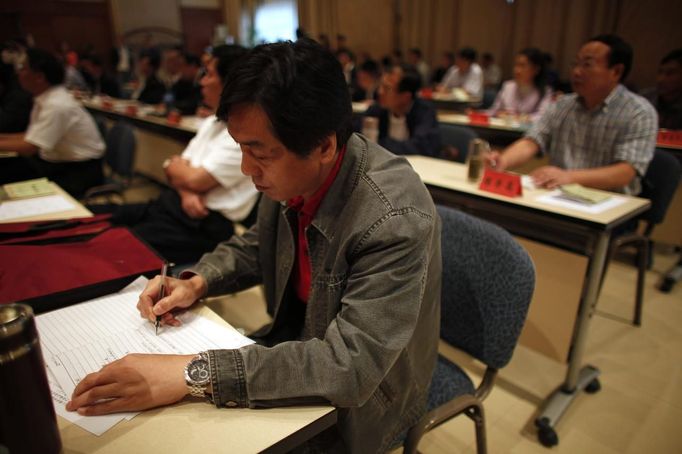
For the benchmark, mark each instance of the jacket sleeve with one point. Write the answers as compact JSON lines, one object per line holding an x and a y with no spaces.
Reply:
{"x":233,"y":265}
{"x":380,"y":298}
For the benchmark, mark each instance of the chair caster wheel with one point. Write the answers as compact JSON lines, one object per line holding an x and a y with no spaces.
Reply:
{"x":546,"y":433}
{"x":593,"y":386}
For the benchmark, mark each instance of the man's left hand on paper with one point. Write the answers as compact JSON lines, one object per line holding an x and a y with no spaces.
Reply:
{"x":551,"y":177}
{"x":134,"y":382}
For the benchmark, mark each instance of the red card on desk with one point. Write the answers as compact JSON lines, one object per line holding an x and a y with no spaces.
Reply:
{"x":478,"y":118}
{"x":503,"y":183}
{"x":669,"y":137}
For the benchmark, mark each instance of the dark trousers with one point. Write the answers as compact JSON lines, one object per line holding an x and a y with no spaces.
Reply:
{"x":164,"y":225}
{"x":75,"y":177}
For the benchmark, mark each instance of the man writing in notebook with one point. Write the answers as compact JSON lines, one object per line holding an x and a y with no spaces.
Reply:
{"x":347,"y":247}
{"x":602,"y":136}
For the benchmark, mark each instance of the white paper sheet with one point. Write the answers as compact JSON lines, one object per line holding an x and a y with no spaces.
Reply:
{"x":14,"y":209}
{"x":555,"y":198}
{"x":96,"y":425}
{"x":80,"y":339}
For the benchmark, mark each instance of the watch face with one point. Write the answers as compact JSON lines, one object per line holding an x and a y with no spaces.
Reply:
{"x":197,"y":371}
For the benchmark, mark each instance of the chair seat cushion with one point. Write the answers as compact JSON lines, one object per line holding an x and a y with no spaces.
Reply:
{"x":448,"y":382}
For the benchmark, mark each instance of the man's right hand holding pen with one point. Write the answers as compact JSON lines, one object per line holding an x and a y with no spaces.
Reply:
{"x":179,"y":294}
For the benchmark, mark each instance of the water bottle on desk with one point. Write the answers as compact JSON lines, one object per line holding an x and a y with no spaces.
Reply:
{"x":27,"y":419}
{"x":478,"y":148}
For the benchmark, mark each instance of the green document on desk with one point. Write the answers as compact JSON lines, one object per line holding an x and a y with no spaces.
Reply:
{"x":582,"y":194}
{"x":27,"y":189}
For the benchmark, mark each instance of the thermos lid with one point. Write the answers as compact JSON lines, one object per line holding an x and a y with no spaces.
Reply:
{"x":17,"y":331}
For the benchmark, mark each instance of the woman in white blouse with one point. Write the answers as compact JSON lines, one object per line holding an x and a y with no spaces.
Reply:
{"x":527,"y":94}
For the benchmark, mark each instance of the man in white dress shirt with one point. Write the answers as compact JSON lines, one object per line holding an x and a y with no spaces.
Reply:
{"x":62,"y":141}
{"x":465,"y":74}
{"x":208,"y":190}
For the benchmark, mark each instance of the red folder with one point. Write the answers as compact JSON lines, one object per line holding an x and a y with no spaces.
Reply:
{"x":48,"y":276}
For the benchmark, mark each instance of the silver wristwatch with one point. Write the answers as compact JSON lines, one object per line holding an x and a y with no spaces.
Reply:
{"x":198,"y":375}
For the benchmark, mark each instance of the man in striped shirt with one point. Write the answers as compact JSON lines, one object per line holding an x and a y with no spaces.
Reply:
{"x":602,"y":136}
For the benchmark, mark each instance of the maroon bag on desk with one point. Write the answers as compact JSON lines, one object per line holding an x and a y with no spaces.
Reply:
{"x":52,"y":273}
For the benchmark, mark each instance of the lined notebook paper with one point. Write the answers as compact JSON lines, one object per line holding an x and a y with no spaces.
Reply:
{"x":80,"y":339}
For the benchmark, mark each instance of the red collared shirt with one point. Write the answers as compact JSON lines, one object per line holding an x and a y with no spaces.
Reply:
{"x":306,"y":212}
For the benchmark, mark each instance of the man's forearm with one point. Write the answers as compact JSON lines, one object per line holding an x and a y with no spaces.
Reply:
{"x":520,"y":152}
{"x":15,"y":142}
{"x":610,"y":177}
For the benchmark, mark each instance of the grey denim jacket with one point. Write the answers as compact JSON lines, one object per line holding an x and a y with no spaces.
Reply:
{"x":369,"y":340}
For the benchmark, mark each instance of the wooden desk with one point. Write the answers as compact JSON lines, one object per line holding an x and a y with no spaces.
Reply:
{"x":78,"y":212}
{"x":157,"y":140}
{"x":575,"y":232}
{"x":189,"y":427}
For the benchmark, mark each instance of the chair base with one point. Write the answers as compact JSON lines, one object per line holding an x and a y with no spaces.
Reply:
{"x":559,"y":401}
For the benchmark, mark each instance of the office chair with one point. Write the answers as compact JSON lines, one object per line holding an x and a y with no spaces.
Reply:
{"x":119,"y":158}
{"x":658,"y":185}
{"x":455,"y":140}
{"x":489,"y":95}
{"x":488,"y":283}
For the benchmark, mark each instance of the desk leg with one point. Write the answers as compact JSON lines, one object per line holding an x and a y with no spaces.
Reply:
{"x":578,"y":377}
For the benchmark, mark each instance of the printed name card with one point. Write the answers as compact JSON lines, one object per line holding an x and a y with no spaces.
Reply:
{"x":478,"y":118}
{"x":503,"y":183}
{"x":669,"y":137}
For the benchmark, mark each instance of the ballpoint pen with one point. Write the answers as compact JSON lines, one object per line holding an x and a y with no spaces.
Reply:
{"x":162,"y":293}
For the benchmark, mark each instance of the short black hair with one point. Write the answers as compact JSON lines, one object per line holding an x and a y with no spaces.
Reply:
{"x":153,"y":56}
{"x":488,"y":56}
{"x":371,"y":66}
{"x":42,"y":61}
{"x":191,"y":59}
{"x":620,"y":52}
{"x":675,"y":55}
{"x":300,"y":87}
{"x":226,"y":56}
{"x":416,"y":52}
{"x":94,"y":59}
{"x":410,"y":81}
{"x":467,"y":53}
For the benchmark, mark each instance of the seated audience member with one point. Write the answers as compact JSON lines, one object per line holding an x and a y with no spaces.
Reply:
{"x":99,"y":82}
{"x":528,"y":93}
{"x":414,"y":58}
{"x":347,"y":246}
{"x":492,"y":74}
{"x":73,"y":78}
{"x":187,"y":90}
{"x":62,"y":141}
{"x":149,"y":89}
{"x":407,"y":124}
{"x":15,"y":102}
{"x":171,"y":66}
{"x":667,"y":96}
{"x":447,"y":60}
{"x":465,"y":74}
{"x":367,"y":82}
{"x":601,"y":136}
{"x":347,"y":60}
{"x":208,"y":191}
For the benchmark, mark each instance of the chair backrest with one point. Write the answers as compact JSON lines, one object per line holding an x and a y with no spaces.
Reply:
{"x":659,"y":184}
{"x":488,"y":283}
{"x":489,"y":95}
{"x":457,"y":137}
{"x":101,"y":123}
{"x":120,"y":154}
